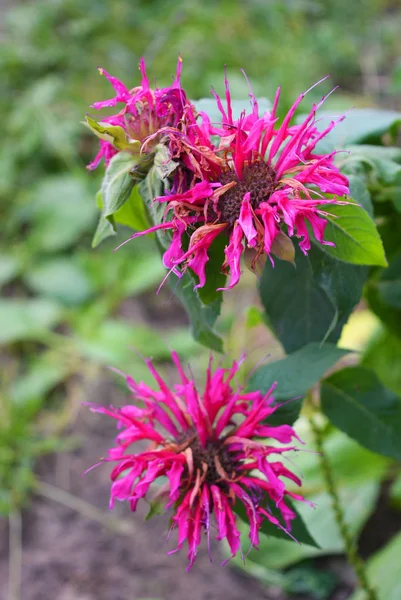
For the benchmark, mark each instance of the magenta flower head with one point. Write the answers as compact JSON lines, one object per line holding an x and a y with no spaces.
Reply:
{"x":144,"y":112}
{"x":268,"y":187}
{"x":206,"y":453}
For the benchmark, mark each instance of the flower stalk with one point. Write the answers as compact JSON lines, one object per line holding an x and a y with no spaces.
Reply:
{"x":350,"y":545}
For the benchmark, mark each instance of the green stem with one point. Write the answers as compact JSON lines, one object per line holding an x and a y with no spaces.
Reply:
{"x":350,"y":545}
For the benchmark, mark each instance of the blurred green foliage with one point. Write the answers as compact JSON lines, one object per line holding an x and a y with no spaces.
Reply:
{"x":60,"y":313}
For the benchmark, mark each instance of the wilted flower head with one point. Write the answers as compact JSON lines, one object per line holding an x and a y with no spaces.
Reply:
{"x":208,"y":452}
{"x":269,"y":186}
{"x":145,"y":112}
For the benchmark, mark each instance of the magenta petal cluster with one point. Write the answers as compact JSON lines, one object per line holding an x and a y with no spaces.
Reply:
{"x":269,"y":183}
{"x":146,"y":111}
{"x":205,"y":454}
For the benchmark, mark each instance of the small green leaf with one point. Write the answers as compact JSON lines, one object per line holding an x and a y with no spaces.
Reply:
{"x":357,"y":403}
{"x":354,"y":234}
{"x":26,"y":319}
{"x":114,"y":134}
{"x":295,"y":375}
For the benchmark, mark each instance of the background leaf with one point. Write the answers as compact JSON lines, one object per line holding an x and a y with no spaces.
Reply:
{"x":357,"y":403}
{"x":354,"y":234}
{"x":27,"y":319}
{"x":295,"y":375}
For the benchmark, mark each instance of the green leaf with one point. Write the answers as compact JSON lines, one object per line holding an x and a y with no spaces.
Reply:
{"x":133,"y":212}
{"x":26,"y":319}
{"x":383,"y":572}
{"x":354,"y":234}
{"x":299,"y":310}
{"x":298,"y":529}
{"x":357,"y":474}
{"x":60,"y":210}
{"x":357,"y":403}
{"x":384,"y":295}
{"x":60,"y":278}
{"x":43,"y":374}
{"x":214,"y":277}
{"x":383,"y":355}
{"x":114,"y":134}
{"x":202,"y":317}
{"x":117,"y":343}
{"x":361,"y":125}
{"x":149,"y":188}
{"x":295,"y":375}
{"x":359,"y":191}
{"x":342,"y":282}
{"x":117,"y":183}
{"x":9,"y":267}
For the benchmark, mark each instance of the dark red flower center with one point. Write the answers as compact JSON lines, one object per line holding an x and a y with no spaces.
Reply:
{"x":213,"y":460}
{"x":258,"y":179}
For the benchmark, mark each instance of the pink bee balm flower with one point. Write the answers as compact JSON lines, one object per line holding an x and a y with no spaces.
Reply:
{"x":271,"y":183}
{"x":144,"y":113}
{"x":207,"y":451}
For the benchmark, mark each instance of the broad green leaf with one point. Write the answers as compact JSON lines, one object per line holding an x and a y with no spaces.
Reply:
{"x":358,"y":503}
{"x":151,"y":187}
{"x":295,"y":375}
{"x":342,"y":282}
{"x":114,"y":134}
{"x":383,"y":572}
{"x":27,"y":319}
{"x":298,"y":529}
{"x":395,"y":492}
{"x":384,"y":295}
{"x":61,"y":279}
{"x":357,"y":403}
{"x":133,"y":212}
{"x":117,"y":183}
{"x":214,"y":277}
{"x":202,"y":317}
{"x":359,"y":192}
{"x":389,"y":284}
{"x":354,"y":234}
{"x":383,"y":355}
{"x":298,"y":309}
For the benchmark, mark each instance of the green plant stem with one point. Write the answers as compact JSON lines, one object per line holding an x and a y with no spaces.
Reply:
{"x":350,"y":545}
